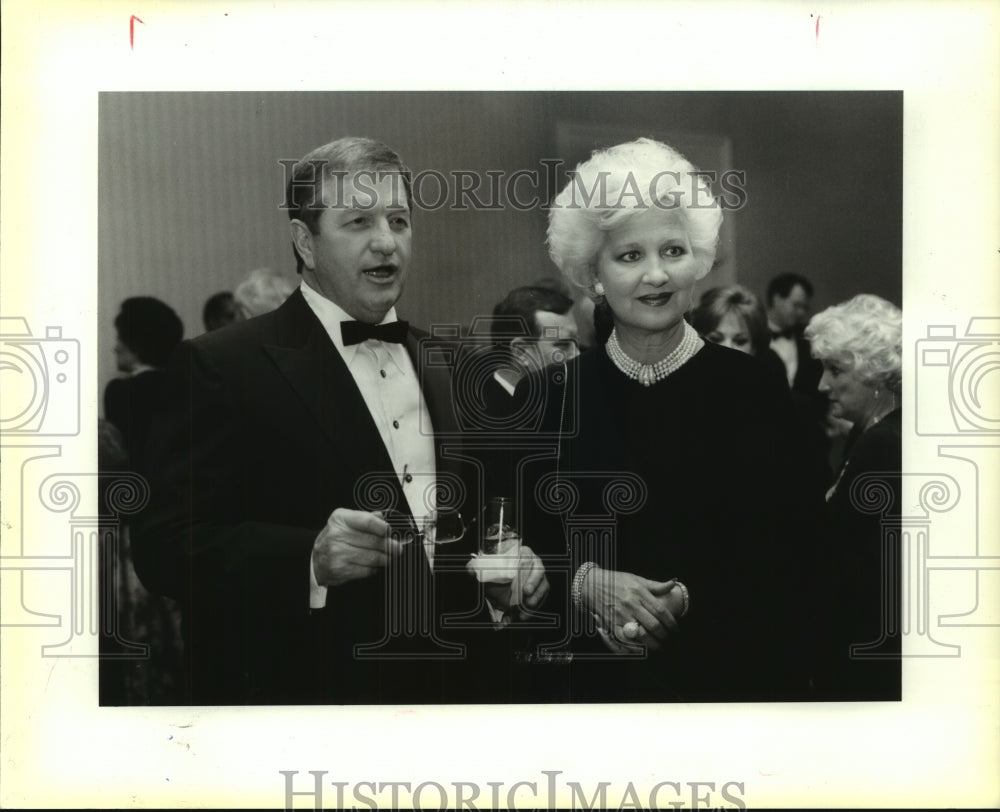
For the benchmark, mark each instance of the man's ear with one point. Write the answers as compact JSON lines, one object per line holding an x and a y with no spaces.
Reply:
{"x":302,"y":239}
{"x":521,"y":348}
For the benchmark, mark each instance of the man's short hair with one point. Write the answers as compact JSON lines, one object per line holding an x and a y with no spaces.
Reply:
{"x":556,"y":283}
{"x":783,"y":284}
{"x":215,"y":308}
{"x":150,"y":328}
{"x":522,"y":303}
{"x":304,"y":192}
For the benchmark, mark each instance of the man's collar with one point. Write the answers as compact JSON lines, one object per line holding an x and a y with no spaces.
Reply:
{"x":777,"y":332}
{"x":330,"y":315}
{"x":507,"y":378}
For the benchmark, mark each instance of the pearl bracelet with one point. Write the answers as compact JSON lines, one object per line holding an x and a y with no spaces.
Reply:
{"x":576,"y":590}
{"x":684,"y":599}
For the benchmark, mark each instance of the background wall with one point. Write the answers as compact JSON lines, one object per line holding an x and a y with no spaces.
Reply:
{"x":190,"y":186}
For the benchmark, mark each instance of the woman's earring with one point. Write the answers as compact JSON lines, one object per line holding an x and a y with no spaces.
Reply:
{"x":598,"y":289}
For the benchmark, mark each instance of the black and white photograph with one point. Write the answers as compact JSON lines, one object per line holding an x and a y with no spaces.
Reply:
{"x":522,"y":427}
{"x":562,"y":261}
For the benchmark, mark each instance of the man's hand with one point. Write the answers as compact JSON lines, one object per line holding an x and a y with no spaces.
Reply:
{"x":353,"y":544}
{"x":534,"y":588}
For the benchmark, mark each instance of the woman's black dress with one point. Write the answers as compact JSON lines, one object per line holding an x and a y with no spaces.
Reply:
{"x":711,"y":492}
{"x":861,"y":556}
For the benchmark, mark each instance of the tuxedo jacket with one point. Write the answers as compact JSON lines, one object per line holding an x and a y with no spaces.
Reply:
{"x":809,"y":370}
{"x":261,"y":434}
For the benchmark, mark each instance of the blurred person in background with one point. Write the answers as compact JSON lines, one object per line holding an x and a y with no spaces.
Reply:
{"x":219,"y":310}
{"x":148,"y":331}
{"x":859,"y":343}
{"x":583,"y":309}
{"x":538,"y":328}
{"x":733,"y":317}
{"x":261,"y":291}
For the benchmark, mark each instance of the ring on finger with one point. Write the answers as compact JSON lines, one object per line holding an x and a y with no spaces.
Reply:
{"x":632,"y":629}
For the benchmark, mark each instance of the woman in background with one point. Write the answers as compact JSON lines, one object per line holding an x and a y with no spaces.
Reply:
{"x":733,"y":317}
{"x":261,"y":291}
{"x":147,"y":331}
{"x":860,"y":345}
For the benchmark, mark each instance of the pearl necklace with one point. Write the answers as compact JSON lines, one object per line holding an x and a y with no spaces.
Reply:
{"x":648,"y":374}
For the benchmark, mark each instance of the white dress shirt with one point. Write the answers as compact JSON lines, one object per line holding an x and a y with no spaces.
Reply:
{"x":787,"y":351}
{"x":387,"y":380}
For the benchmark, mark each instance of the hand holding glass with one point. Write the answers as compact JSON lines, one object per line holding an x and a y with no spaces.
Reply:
{"x":498,"y":561}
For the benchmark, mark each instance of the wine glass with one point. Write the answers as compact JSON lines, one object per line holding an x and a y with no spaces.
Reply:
{"x":500,"y":548}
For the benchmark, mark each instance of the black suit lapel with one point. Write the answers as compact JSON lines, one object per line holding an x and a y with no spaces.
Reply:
{"x":435,"y":384}
{"x":314,"y":369}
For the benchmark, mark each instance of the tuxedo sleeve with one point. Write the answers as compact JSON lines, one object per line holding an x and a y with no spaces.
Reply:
{"x":195,"y":542}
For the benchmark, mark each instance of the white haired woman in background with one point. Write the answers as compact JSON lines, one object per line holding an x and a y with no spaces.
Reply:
{"x":695,"y":596}
{"x":860,"y":345}
{"x":261,"y":291}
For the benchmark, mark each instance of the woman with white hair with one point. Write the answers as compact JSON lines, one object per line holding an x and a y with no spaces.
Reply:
{"x":261,"y":291}
{"x":683,"y":443}
{"x":860,"y":345}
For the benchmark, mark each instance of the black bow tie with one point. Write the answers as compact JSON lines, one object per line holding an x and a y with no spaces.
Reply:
{"x":788,"y":332}
{"x":354,"y":332}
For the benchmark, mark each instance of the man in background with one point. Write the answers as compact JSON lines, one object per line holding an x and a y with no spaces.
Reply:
{"x":583,"y":309}
{"x":219,"y":310}
{"x":789,"y":300}
{"x":538,"y":328}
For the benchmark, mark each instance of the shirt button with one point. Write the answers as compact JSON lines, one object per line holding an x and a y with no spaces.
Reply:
{"x":381,"y":372}
{"x":395,"y":424}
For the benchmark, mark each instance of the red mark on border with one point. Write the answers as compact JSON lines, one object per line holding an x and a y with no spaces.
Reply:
{"x":818,"y":18}
{"x":131,"y":30}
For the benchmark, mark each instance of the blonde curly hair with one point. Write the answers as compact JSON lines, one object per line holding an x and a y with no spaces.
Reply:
{"x":618,"y":183}
{"x":864,"y":334}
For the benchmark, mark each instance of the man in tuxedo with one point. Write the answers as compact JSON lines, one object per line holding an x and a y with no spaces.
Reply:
{"x":788,"y":300}
{"x":300,"y":467}
{"x":789,"y":297}
{"x":537,"y":327}
{"x":583,"y":308}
